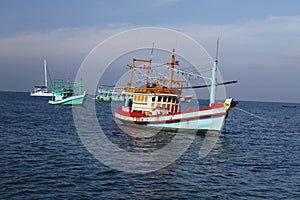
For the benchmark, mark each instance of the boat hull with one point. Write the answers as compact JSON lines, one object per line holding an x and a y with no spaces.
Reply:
{"x":70,"y":101}
{"x":207,"y":120}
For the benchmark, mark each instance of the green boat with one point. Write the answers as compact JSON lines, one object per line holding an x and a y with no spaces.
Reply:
{"x":67,"y":93}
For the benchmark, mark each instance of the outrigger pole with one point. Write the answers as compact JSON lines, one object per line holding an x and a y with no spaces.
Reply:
{"x":204,"y":86}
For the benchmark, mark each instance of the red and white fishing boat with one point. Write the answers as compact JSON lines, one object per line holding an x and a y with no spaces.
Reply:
{"x":157,"y":106}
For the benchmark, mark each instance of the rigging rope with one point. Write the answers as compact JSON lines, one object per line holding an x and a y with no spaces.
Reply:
{"x":268,"y":120}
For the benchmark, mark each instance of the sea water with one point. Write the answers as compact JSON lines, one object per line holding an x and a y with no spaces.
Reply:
{"x":42,"y":156}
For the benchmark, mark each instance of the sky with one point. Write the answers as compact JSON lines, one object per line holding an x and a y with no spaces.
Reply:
{"x":259,"y":39}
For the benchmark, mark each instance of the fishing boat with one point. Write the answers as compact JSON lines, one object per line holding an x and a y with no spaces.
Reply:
{"x":114,"y":94}
{"x":186,"y":98}
{"x":156,"y":106}
{"x":42,"y":90}
{"x":66,"y":94}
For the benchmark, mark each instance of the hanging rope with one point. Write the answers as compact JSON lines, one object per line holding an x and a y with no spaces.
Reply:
{"x":268,"y":120}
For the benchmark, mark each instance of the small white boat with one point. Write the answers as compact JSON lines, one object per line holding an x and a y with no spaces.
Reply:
{"x":42,"y":90}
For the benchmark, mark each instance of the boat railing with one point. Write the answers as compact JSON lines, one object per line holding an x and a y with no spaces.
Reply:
{"x":164,"y":90}
{"x":60,"y":86}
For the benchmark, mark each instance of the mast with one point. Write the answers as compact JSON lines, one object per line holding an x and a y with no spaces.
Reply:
{"x":129,"y":83}
{"x":214,"y":77}
{"x":131,"y":74}
{"x":149,"y":66}
{"x":172,"y":71}
{"x":172,"y":63}
{"x":45,"y":69}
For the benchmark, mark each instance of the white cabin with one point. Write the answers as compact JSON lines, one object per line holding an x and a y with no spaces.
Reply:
{"x":153,"y":104}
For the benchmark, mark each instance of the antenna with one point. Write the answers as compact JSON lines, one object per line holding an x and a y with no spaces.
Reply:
{"x":217,"y":50}
{"x":151,"y":55}
{"x":149,"y":66}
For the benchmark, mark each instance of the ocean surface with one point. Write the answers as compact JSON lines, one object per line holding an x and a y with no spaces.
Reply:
{"x":43,"y":157}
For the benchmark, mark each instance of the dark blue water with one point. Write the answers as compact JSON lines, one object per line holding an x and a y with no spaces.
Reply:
{"x":42,"y":157}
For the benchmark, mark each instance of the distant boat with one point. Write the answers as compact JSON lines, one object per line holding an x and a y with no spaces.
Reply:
{"x":186,"y":98}
{"x":64,"y":93}
{"x":289,"y":106}
{"x":114,"y":94}
{"x":42,"y":90}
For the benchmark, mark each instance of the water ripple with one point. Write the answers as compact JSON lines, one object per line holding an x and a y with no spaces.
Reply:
{"x":42,"y":157}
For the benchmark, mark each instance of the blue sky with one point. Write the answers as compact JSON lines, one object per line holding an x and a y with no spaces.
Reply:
{"x":260,"y":39}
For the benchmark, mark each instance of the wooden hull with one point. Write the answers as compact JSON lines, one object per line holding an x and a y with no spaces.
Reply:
{"x":70,"y":101}
{"x":204,"y":120}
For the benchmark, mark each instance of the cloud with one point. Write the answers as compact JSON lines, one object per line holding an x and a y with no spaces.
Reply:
{"x":163,"y":2}
{"x":260,"y":45}
{"x":56,"y":42}
{"x":21,"y":55}
{"x":264,"y":42}
{"x":255,"y":41}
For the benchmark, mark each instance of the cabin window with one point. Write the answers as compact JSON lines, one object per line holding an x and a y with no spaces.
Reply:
{"x":176,"y":100}
{"x":164,"y":99}
{"x":159,"y":98}
{"x":139,"y":98}
{"x":169,"y":99}
{"x":153,"y":98}
{"x":142,"y":98}
{"x":146,"y":98}
{"x":168,"y":106}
